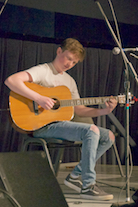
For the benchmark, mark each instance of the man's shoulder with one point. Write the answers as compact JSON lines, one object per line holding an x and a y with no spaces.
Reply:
{"x":68,"y":75}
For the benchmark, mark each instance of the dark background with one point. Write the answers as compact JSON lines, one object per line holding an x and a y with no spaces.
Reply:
{"x":30,"y":33}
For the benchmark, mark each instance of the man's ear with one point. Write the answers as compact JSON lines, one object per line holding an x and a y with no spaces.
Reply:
{"x":59,"y":50}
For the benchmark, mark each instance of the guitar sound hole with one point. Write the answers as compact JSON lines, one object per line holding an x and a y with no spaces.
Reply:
{"x":56,"y":105}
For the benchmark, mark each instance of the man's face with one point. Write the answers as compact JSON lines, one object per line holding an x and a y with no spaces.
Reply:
{"x":65,"y":60}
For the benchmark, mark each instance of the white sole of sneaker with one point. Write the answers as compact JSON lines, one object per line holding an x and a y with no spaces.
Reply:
{"x":101,"y":198}
{"x":70,"y":185}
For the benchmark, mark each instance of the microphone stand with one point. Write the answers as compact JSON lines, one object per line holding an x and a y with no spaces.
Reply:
{"x":128,"y":67}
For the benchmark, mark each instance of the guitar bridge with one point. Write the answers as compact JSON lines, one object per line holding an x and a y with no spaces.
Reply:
{"x":35,"y":107}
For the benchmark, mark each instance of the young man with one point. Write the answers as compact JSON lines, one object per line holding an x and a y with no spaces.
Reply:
{"x":95,"y":140}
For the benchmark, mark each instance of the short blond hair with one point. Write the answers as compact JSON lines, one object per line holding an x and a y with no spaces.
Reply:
{"x":75,"y":47}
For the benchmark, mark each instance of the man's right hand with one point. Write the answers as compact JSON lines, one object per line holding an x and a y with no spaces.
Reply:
{"x":46,"y":102}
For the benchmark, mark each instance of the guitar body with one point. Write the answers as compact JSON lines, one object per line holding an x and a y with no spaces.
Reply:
{"x":22,"y":109}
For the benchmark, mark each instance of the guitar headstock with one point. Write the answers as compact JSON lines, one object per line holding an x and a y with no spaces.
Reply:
{"x":122,"y":99}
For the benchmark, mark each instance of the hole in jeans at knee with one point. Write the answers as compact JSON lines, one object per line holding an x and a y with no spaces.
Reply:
{"x":111,"y":136}
{"x":95,"y":129}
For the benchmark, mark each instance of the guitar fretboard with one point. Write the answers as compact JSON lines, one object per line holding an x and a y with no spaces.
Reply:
{"x":85,"y":101}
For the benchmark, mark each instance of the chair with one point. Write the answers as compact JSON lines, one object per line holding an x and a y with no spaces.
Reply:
{"x":60,"y":144}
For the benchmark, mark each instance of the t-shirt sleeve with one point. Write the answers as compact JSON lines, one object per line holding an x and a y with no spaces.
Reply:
{"x":37,"y":73}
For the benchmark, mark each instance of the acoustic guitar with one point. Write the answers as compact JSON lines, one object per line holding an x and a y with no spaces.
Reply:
{"x":29,"y":116}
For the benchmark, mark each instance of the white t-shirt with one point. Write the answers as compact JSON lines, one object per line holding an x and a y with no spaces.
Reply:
{"x":46,"y":75}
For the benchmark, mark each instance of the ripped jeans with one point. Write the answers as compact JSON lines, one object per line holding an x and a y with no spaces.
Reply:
{"x":93,"y":145}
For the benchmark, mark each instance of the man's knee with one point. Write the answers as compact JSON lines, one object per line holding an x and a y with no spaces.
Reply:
{"x":95,"y":129}
{"x":111,"y":136}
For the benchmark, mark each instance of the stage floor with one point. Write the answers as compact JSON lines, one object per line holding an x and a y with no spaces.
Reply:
{"x":109,"y":179}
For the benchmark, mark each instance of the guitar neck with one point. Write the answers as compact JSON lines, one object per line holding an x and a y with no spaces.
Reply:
{"x":86,"y":101}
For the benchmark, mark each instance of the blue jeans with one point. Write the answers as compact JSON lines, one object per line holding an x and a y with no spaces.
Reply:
{"x":93,"y":145}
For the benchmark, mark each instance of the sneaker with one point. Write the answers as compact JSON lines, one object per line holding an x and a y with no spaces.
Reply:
{"x":73,"y":183}
{"x":94,"y":193}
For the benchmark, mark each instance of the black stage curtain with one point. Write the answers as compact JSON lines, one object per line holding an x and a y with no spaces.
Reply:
{"x":100,"y":74}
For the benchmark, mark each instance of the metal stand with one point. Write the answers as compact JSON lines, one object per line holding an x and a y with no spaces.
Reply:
{"x":127,"y":86}
{"x":128,"y":66}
